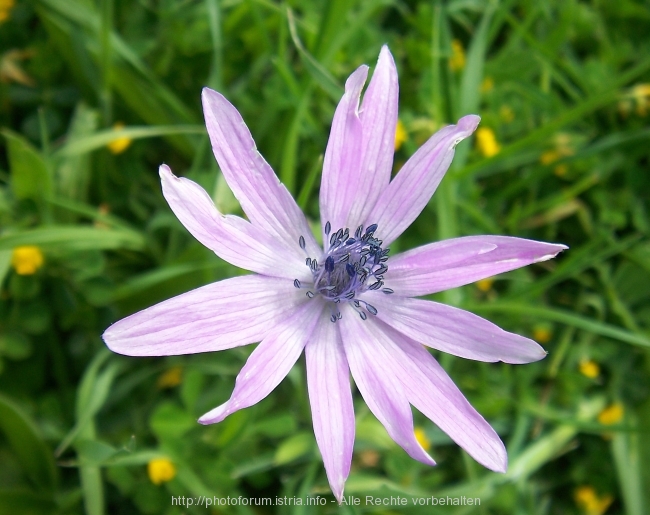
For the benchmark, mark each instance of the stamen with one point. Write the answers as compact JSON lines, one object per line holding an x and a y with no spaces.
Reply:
{"x":296,"y":283}
{"x":301,"y":242}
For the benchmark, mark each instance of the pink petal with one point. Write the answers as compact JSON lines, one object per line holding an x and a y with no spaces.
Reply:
{"x":270,"y":362}
{"x":232,"y":238}
{"x":432,"y":391}
{"x":429,"y":269}
{"x":218,"y":316}
{"x":379,"y":121}
{"x":264,"y":199}
{"x":452,"y":330}
{"x":328,"y":380}
{"x":340,"y":180}
{"x":372,"y":363}
{"x":409,"y":192}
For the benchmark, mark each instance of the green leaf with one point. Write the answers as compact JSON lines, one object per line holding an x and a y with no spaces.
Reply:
{"x":294,"y":447}
{"x":35,"y":456}
{"x":171,"y":421}
{"x":30,"y":177}
{"x":74,"y":238}
{"x":26,"y":502}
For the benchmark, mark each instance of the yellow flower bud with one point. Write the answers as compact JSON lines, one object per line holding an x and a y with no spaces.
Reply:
{"x":161,"y":470}
{"x":27,"y":259}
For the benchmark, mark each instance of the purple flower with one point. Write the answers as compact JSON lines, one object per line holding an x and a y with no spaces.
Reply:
{"x":351,"y":307}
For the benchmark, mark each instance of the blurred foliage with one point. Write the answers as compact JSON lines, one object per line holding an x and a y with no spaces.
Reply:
{"x":95,"y":94}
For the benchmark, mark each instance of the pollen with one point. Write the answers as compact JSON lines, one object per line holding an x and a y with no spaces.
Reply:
{"x":161,"y":470}
{"x":27,"y":259}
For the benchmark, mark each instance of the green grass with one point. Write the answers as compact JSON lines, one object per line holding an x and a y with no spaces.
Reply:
{"x":558,"y":83}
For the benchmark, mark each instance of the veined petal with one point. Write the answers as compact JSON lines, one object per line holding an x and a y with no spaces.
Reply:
{"x":431,"y":390}
{"x":379,"y":121}
{"x":409,"y":192}
{"x":264,"y":199}
{"x":222,"y":315}
{"x":328,"y":381}
{"x":372,"y":363}
{"x":232,"y":238}
{"x":427,"y":269}
{"x":270,"y":362}
{"x":452,"y":330}
{"x":341,"y":165}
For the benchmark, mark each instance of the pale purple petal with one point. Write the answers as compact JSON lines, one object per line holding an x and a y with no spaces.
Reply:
{"x":431,"y":390}
{"x":270,"y":362}
{"x":372,"y":364}
{"x":409,"y":192}
{"x":264,"y":199}
{"x":328,"y":381}
{"x":232,"y":238}
{"x":379,"y":120}
{"x":430,"y":268}
{"x":452,"y":330}
{"x":222,"y":315}
{"x":341,"y":165}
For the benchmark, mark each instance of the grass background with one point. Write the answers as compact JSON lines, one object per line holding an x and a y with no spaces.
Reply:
{"x":560,"y":83}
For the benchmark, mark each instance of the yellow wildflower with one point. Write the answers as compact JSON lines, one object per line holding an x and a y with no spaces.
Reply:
{"x":170,"y":378}
{"x":612,"y":414}
{"x":485,"y":284}
{"x":486,"y":141}
{"x":542,"y":334}
{"x":10,"y":69}
{"x":5,"y":9}
{"x":590,"y":502}
{"x":400,"y":135}
{"x":487,"y":85}
{"x":589,"y":368}
{"x":27,"y":259}
{"x":562,"y":149}
{"x":457,"y":59}
{"x":422,"y":439}
{"x":119,"y":145}
{"x":161,"y":470}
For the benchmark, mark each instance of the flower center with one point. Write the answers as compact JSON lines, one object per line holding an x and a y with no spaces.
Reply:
{"x":350,"y":266}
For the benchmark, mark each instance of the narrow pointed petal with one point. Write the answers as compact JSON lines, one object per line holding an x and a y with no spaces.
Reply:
{"x":409,"y":192}
{"x":431,"y":391}
{"x":330,"y":397}
{"x":222,"y":315}
{"x":372,"y":363}
{"x":427,"y":269}
{"x":379,"y":121}
{"x":270,"y":362}
{"x":340,"y":180}
{"x":264,"y":199}
{"x":231,"y":238}
{"x":452,"y":330}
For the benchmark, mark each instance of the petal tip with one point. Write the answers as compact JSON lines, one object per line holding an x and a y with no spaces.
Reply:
{"x":469,"y":123}
{"x":164,"y":171}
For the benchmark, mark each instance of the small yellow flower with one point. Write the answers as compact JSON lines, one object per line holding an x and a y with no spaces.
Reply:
{"x":487,"y":85}
{"x":589,"y":368}
{"x":161,"y":470}
{"x":542,"y":334}
{"x":486,"y":141}
{"x":5,"y":9}
{"x":400,"y":135}
{"x":170,"y":378}
{"x":27,"y":259}
{"x":612,"y":414}
{"x":590,"y":502}
{"x":119,"y":145}
{"x":641,"y":95}
{"x":485,"y":284}
{"x":457,"y":59}
{"x":422,"y":439}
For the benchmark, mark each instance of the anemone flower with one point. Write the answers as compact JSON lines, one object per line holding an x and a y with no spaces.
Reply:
{"x":350,"y":306}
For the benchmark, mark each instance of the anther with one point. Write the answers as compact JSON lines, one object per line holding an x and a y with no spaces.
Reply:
{"x":301,"y":242}
{"x":296,"y":283}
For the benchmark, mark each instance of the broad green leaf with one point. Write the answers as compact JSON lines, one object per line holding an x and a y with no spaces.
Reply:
{"x":294,"y":447}
{"x":35,"y":456}
{"x":30,"y":177}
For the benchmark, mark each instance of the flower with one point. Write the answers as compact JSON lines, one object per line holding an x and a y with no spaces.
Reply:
{"x":121,"y":143}
{"x":589,"y":368}
{"x":161,"y":470}
{"x":612,"y":414}
{"x":400,"y":135}
{"x":349,"y":306}
{"x":27,"y":259}
{"x":457,"y":58}
{"x":590,"y":502}
{"x":487,"y":143}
